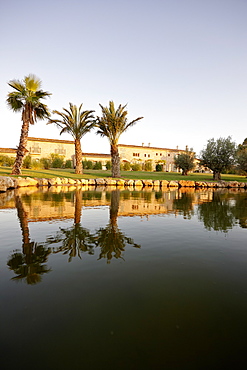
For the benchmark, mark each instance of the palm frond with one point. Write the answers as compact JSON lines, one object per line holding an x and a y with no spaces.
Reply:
{"x":113,"y":122}
{"x":74,"y":121}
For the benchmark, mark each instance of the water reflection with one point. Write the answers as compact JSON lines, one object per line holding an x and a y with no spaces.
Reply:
{"x":110,"y":240}
{"x":225,"y":210}
{"x":28,"y":264}
{"x":218,"y":210}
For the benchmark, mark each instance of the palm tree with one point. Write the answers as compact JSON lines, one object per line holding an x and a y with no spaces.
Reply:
{"x":111,"y":125}
{"x":26,"y":99}
{"x":77,"y":124}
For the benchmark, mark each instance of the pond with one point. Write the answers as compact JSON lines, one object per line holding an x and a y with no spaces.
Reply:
{"x":123,"y":279}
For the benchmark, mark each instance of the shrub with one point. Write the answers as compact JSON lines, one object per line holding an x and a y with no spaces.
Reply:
{"x":27,"y":161}
{"x":126,"y":166}
{"x":108,"y":165}
{"x":136,"y":167}
{"x":97,"y":166}
{"x":6,"y":161}
{"x":68,"y":163}
{"x":45,"y":163}
{"x":158,"y":167}
{"x":87,"y":165}
{"x":148,"y":166}
{"x":57,"y":161}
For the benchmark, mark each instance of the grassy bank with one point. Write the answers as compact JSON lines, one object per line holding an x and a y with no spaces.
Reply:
{"x":88,"y":174}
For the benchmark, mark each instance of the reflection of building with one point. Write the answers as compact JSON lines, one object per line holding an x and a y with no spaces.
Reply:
{"x":60,"y":202}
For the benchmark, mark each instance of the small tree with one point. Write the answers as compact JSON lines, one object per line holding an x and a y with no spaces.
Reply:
{"x":219,"y":156}
{"x":185,"y":161}
{"x":242,"y":157}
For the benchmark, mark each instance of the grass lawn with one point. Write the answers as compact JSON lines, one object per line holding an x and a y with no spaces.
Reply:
{"x":135,"y":175}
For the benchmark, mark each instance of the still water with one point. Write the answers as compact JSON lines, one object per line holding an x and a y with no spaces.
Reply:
{"x":123,"y":279}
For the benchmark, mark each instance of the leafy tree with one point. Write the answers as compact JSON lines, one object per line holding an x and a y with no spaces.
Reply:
{"x":76,"y":123}
{"x":242,"y":156}
{"x":219,"y":155}
{"x":185,"y":161}
{"x":26,"y":99}
{"x":112,"y":124}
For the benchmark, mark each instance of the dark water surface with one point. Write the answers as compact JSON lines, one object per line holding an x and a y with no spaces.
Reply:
{"x":123,"y":279}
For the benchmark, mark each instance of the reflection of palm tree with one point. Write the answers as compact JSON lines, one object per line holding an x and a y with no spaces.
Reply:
{"x":111,"y":239}
{"x":75,"y":239}
{"x":28,"y":265}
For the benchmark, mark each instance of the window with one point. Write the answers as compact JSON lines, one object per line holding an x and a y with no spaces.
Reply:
{"x":148,"y":155}
{"x":145,"y":155}
{"x":157,"y":153}
{"x":60,"y":150}
{"x":168,"y":154}
{"x":136,"y":154}
{"x":35,"y":149}
{"x":160,"y":154}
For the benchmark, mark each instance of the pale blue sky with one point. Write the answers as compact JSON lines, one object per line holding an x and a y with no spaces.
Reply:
{"x":179,"y":63}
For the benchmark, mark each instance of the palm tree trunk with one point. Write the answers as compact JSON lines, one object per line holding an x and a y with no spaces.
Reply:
{"x":115,"y":160}
{"x":78,"y":157}
{"x":21,"y":150}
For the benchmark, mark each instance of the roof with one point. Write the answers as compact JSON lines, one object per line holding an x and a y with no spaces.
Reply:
{"x":7,"y":150}
{"x":150,"y":147}
{"x":96,"y":155}
{"x":50,"y":140}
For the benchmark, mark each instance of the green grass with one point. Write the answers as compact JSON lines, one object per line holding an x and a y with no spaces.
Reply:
{"x":88,"y":174}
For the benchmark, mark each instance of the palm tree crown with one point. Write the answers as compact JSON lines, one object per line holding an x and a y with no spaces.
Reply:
{"x":26,"y":99}
{"x":111,"y":125}
{"x":74,"y":122}
{"x":77,"y":123}
{"x":114,"y":122}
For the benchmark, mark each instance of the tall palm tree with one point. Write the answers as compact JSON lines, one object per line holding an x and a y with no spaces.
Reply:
{"x":111,"y":125}
{"x":26,"y":99}
{"x":77,"y":124}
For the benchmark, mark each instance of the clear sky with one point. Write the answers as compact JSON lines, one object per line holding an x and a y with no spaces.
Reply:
{"x":181,"y":64}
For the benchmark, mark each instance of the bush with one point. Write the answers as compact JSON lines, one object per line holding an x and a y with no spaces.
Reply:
{"x":97,"y":166}
{"x":136,"y":167}
{"x":57,"y":161}
{"x":126,"y":166}
{"x":45,"y":163}
{"x":148,"y":166}
{"x":27,"y":162}
{"x":87,"y":165}
{"x":68,"y":163}
{"x":158,"y":167}
{"x":6,"y":161}
{"x":108,"y":165}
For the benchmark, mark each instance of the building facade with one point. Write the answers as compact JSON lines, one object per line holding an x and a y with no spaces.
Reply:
{"x":42,"y":148}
